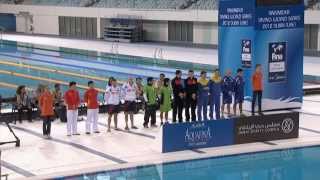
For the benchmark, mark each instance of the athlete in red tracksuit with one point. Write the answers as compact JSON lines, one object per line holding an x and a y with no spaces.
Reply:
{"x":91,"y":98}
{"x":72,"y":101}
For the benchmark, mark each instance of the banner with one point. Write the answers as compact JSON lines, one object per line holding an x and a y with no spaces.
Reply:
{"x":270,"y":33}
{"x":266,"y":128}
{"x":213,"y":133}
{"x":279,"y":47}
{"x":184,"y":136}
{"x":236,"y":37}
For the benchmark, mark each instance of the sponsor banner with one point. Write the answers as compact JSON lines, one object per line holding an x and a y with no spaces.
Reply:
{"x":246,"y":53}
{"x":184,"y":136}
{"x":277,"y":61}
{"x":266,"y":127}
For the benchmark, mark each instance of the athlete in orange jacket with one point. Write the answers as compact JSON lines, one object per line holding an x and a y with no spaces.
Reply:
{"x":47,"y":113}
{"x":257,"y":86}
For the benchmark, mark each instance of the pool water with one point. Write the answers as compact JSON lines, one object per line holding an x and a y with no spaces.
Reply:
{"x":82,"y":62}
{"x":289,"y":164}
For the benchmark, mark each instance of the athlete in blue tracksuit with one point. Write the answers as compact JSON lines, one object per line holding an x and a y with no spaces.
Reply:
{"x":203,"y":97}
{"x":227,"y":91}
{"x":238,"y":91}
{"x":215,"y":94}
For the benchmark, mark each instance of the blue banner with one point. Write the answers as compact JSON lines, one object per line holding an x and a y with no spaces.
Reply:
{"x":272,"y":37}
{"x":214,"y":133}
{"x":177,"y":137}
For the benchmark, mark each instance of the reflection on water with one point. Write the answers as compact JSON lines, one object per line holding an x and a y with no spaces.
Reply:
{"x":292,"y":164}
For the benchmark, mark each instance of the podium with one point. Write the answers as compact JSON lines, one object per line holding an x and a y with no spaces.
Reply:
{"x":270,"y":33}
{"x":224,"y":132}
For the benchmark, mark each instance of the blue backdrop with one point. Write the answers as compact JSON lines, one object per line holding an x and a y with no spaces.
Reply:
{"x":254,"y":32}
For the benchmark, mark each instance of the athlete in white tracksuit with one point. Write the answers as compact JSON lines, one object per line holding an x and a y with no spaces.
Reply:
{"x":129,"y":95}
{"x":112,"y":99}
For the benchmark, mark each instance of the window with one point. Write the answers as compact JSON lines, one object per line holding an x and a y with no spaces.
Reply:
{"x":311,"y":36}
{"x":180,"y":31}
{"x":80,"y":27}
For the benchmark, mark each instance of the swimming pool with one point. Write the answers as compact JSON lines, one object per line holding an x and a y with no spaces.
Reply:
{"x":81,"y":62}
{"x":289,"y":164}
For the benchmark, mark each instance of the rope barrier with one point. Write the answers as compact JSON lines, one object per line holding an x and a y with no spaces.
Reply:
{"x":53,"y":71}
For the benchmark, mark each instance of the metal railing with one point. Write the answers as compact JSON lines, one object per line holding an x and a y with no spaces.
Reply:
{"x":2,"y":176}
{"x":114,"y":48}
{"x":1,"y":33}
{"x":158,"y":53}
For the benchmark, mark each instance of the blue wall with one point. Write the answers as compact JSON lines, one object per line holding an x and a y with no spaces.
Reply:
{"x":8,"y":22}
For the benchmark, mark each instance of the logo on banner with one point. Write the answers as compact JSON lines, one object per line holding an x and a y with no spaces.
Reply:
{"x":287,"y":125}
{"x":246,"y":53}
{"x":198,"y":134}
{"x":277,"y":61}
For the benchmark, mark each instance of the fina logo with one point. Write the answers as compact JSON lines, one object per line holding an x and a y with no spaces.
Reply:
{"x":287,"y":125}
{"x":246,"y":46}
{"x":277,"y":52}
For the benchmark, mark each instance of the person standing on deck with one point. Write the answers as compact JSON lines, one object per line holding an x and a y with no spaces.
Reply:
{"x":150,"y":96}
{"x":227,"y":91}
{"x":215,"y":94}
{"x":238,"y":91}
{"x":191,"y":88}
{"x":112,"y":99}
{"x":203,"y":97}
{"x":178,"y":97}
{"x":91,"y":99}
{"x":72,"y":102}
{"x":257,"y":86}
{"x":165,"y":100}
{"x":129,"y":95}
{"x":46,"y":103}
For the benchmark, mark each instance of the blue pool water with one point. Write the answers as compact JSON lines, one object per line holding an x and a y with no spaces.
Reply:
{"x":81,"y":62}
{"x":290,"y":164}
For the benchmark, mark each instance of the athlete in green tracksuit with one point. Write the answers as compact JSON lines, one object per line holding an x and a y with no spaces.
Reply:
{"x":150,"y":96}
{"x":165,"y":99}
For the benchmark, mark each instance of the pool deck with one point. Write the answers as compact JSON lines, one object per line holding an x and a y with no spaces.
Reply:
{"x":38,"y":158}
{"x":187,"y":54}
{"x":170,"y":52}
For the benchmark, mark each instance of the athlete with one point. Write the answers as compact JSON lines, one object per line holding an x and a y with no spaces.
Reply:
{"x":215,"y":94}
{"x":227,"y":91}
{"x":257,"y":86}
{"x":203,"y":96}
{"x":165,"y":100}
{"x":129,"y":95}
{"x":150,"y":96}
{"x":47,"y":113}
{"x":238,"y":91}
{"x":112,"y":99}
{"x":178,"y":96}
{"x":191,"y":88}
{"x":91,"y":98}
{"x":72,"y":102}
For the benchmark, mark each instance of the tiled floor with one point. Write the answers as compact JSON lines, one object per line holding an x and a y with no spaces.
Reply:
{"x":64,"y":155}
